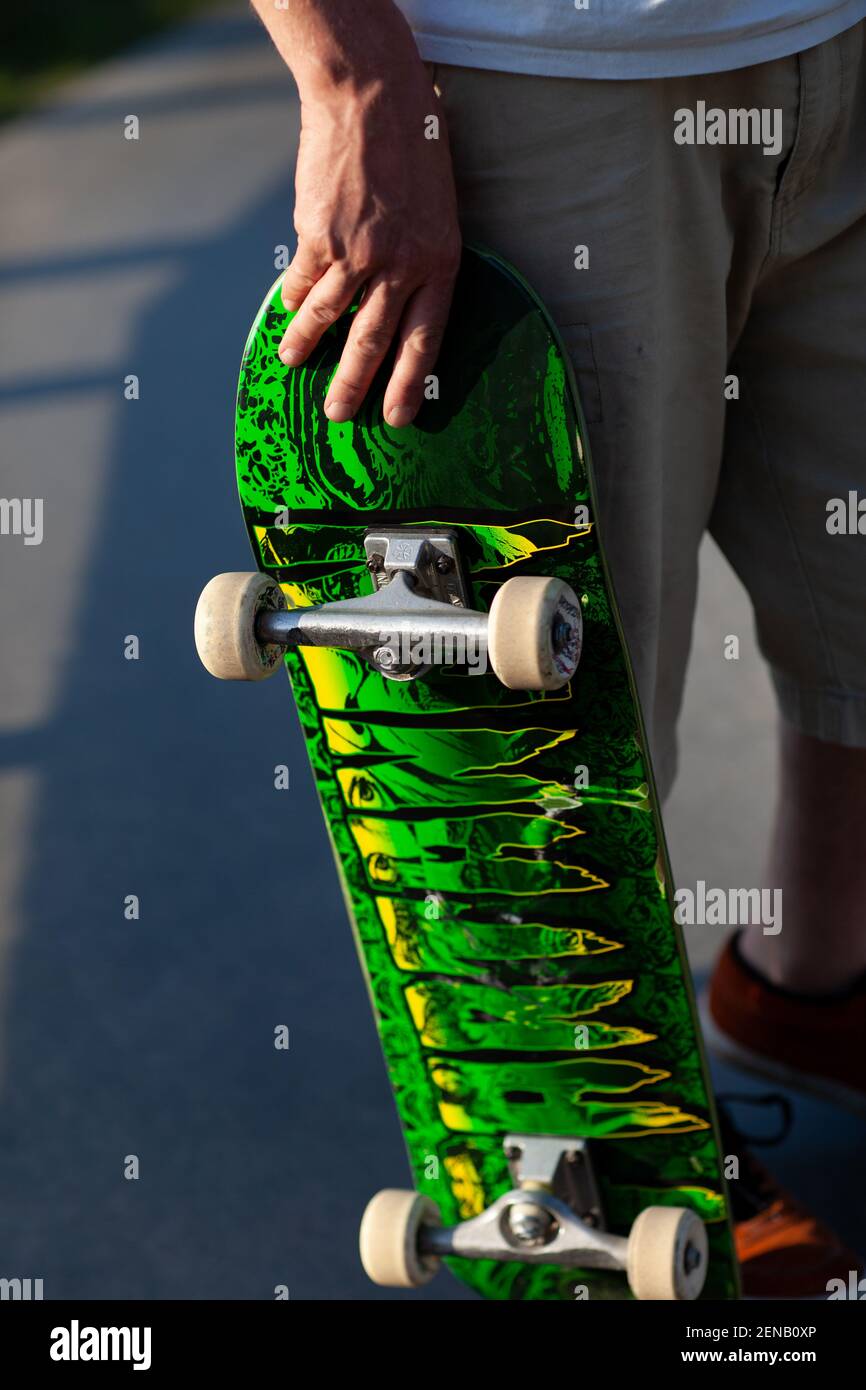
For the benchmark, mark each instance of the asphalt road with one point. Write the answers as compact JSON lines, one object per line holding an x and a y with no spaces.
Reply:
{"x":153,"y":1037}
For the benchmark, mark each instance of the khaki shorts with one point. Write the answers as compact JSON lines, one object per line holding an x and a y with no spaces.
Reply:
{"x":718,"y":332}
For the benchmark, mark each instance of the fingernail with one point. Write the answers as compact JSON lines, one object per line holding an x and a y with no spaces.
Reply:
{"x":399,"y":416}
{"x":290,"y":355}
{"x":339,"y":411}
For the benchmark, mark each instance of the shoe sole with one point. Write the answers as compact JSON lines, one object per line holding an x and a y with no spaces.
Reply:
{"x":759,"y":1065}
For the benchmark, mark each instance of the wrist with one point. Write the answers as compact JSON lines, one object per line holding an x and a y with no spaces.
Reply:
{"x":343,"y":47}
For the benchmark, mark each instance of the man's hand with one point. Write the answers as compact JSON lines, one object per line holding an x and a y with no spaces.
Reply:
{"x":375,"y":204}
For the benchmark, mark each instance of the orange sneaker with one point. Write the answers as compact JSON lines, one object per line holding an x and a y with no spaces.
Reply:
{"x":814,"y":1044}
{"x":784,"y":1251}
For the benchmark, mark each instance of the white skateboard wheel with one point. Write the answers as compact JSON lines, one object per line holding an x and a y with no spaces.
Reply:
{"x":390,"y":1228}
{"x":534,"y":633}
{"x":225,"y":627}
{"x":667,"y":1254}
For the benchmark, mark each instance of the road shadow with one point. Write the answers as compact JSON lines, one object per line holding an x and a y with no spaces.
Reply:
{"x":154,"y":1038}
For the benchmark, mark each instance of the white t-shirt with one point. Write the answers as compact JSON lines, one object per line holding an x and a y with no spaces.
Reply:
{"x":622,"y":38}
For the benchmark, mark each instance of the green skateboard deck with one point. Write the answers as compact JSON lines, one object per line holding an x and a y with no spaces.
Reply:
{"x":501,"y":851}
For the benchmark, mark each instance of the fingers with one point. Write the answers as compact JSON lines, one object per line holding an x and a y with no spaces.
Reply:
{"x":391,"y":309}
{"x":421,"y":333}
{"x":370,"y":337}
{"x":305,"y":270}
{"x":329,"y":297}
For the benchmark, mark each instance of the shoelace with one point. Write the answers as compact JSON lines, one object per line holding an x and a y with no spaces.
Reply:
{"x":755,"y":1188}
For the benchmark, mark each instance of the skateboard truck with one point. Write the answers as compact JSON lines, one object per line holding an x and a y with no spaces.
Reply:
{"x":552,"y":1216}
{"x":416,"y":618}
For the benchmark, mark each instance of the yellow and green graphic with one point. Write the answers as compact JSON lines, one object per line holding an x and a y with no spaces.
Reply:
{"x":500,"y":850}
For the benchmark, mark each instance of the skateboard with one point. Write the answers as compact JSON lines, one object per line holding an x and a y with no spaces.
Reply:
{"x":441,"y":599}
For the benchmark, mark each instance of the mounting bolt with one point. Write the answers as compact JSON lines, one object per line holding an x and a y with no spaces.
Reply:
{"x":375,"y":563}
{"x":692,"y":1258}
{"x":561,"y":634}
{"x":531,"y":1224}
{"x":384,"y":656}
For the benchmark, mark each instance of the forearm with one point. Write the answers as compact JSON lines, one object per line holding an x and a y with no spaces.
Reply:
{"x":333,"y":44}
{"x":375,"y":204}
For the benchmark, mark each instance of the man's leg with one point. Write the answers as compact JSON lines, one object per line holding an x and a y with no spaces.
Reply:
{"x":676,"y":240}
{"x":795,"y":442}
{"x":817,"y":859}
{"x":646,"y":252}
